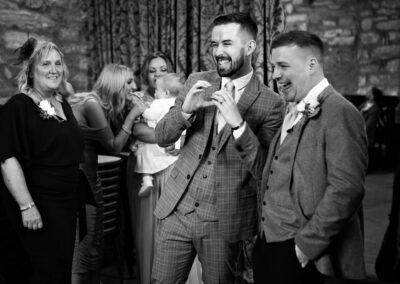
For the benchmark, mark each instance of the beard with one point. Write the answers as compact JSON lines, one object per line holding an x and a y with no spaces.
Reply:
{"x":229,"y":67}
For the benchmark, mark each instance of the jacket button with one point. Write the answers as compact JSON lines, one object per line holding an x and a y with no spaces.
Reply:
{"x":271,"y":171}
{"x":209,"y":162}
{"x":204,"y":176}
{"x":264,"y":203}
{"x":276,"y":157}
{"x":213,"y":148}
{"x":263,"y":218}
{"x":200,"y":156}
{"x":267,"y":187}
{"x":196,"y":204}
{"x":188,"y":176}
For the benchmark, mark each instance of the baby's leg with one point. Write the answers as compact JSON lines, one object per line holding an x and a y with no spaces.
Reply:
{"x":147,"y":185}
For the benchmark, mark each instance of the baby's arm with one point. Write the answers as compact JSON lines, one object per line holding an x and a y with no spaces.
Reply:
{"x":154,"y":112}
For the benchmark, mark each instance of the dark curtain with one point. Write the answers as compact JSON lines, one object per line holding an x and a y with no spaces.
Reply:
{"x":125,"y":31}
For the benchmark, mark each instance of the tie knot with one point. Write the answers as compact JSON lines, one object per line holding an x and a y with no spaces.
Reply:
{"x":230,"y":88}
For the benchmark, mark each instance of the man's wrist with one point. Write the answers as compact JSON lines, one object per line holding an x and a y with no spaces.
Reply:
{"x":186,"y":115}
{"x":238,"y":126}
{"x":237,"y":132}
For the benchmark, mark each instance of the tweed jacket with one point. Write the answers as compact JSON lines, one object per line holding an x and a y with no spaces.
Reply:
{"x":328,"y":168}
{"x":235,"y":187}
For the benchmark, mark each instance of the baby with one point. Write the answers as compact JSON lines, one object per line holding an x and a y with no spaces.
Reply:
{"x":150,"y":158}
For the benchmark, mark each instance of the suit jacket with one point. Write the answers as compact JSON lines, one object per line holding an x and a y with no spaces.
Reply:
{"x":235,"y":187}
{"x":328,"y":166}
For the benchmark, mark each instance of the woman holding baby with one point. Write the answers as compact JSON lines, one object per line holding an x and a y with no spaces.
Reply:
{"x":160,"y":89}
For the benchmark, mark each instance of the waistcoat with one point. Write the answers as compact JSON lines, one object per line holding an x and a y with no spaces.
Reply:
{"x":279,"y":218}
{"x":200,"y":195}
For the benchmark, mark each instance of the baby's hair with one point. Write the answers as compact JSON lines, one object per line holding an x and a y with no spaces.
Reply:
{"x":172,"y":83}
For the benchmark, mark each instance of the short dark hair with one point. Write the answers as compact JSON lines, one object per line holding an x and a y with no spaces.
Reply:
{"x":302,"y":39}
{"x":245,"y":21}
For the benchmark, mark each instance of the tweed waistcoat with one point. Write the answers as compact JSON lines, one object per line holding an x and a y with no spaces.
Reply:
{"x":279,"y":219}
{"x":200,"y":195}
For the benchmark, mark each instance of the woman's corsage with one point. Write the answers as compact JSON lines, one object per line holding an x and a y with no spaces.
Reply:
{"x":47,"y":111}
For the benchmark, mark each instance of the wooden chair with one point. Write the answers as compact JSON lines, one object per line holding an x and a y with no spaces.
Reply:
{"x":109,"y":170}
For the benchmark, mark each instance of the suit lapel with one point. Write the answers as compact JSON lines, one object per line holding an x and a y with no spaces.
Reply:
{"x":210,"y":111}
{"x":302,"y":124}
{"x":250,"y":94}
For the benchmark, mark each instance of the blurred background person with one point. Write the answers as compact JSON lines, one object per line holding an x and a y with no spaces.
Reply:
{"x":40,"y":163}
{"x":94,"y":112}
{"x":371,"y":111}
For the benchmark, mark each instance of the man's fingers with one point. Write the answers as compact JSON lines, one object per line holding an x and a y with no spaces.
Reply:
{"x":202,"y":84}
{"x":208,"y":103}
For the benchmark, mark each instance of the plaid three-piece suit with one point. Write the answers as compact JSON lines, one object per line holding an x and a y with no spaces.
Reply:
{"x":233,"y":187}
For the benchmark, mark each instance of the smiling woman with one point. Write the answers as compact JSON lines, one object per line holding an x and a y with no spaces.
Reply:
{"x":39,"y":162}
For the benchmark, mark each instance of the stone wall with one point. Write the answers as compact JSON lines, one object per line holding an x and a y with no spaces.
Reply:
{"x":362,"y":40}
{"x":59,"y":21}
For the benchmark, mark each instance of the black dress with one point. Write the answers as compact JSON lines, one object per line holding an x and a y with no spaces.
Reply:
{"x":49,"y":153}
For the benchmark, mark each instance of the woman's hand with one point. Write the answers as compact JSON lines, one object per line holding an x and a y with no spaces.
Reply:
{"x":138,"y":108}
{"x":31,"y":219}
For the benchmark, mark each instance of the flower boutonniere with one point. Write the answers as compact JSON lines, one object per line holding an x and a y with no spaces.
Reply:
{"x":47,"y":111}
{"x":309,"y":107}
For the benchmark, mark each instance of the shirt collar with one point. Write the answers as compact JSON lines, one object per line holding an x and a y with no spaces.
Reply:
{"x":316,"y":90}
{"x":240,"y":82}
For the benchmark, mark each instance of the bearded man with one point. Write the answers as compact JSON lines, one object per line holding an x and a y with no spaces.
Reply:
{"x":209,"y":204}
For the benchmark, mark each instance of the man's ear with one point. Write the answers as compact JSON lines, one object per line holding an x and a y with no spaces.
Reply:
{"x":313,"y":64}
{"x":251,"y":47}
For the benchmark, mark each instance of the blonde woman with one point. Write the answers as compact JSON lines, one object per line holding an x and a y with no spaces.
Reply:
{"x":95,"y":111}
{"x":40,"y":163}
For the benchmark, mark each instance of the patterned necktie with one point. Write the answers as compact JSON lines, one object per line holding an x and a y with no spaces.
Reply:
{"x":230,"y":88}
{"x":290,"y":117}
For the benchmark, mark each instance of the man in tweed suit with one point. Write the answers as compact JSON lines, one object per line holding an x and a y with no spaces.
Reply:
{"x":209,"y":204}
{"x":313,"y":179}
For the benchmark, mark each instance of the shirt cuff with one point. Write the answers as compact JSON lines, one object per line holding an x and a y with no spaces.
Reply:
{"x":186,"y":115}
{"x":238,"y":132}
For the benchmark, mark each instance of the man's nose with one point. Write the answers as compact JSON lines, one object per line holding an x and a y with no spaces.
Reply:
{"x":276,"y":74}
{"x":218,"y":50}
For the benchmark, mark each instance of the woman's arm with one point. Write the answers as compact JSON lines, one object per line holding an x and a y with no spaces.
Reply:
{"x":96,"y":118}
{"x":14,"y":180}
{"x":144,"y":133}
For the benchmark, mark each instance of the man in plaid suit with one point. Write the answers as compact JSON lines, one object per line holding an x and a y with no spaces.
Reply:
{"x":209,"y":204}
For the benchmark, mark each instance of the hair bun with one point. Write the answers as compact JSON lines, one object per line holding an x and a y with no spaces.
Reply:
{"x":26,"y":50}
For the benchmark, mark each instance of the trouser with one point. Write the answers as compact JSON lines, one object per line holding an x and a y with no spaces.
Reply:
{"x":180,"y":237}
{"x":277,"y":263}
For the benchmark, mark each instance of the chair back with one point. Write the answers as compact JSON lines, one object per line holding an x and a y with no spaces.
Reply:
{"x":109,"y":170}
